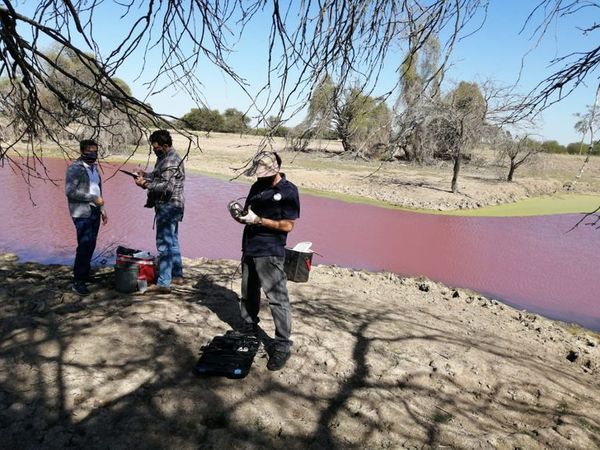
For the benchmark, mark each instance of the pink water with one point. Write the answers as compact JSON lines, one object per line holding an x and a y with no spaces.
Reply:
{"x":530,"y":262}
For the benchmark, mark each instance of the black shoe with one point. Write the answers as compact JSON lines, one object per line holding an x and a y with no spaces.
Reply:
{"x":278,"y":359}
{"x":80,"y":289}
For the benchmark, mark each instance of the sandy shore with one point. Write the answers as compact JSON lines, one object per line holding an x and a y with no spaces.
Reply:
{"x":379,"y":361}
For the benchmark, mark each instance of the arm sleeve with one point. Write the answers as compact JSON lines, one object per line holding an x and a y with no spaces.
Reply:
{"x":74,"y":187}
{"x":290,"y":206}
{"x":164,"y":182}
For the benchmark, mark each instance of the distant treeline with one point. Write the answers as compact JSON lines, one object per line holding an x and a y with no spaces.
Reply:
{"x":234,"y":121}
{"x":574,"y":148}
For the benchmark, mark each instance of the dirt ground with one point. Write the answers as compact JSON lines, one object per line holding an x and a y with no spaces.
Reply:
{"x":379,"y":361}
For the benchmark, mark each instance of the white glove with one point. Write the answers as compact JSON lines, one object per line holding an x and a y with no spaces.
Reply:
{"x":250,"y":218}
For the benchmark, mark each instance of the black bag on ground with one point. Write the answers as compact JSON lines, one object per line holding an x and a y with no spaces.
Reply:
{"x":229,"y":356}
{"x":126,"y":251}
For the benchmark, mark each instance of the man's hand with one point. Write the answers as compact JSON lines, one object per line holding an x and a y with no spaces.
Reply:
{"x":250,"y":218}
{"x":99,"y":201}
{"x":139,"y":172}
{"x":140,"y":182}
{"x":104,"y":216}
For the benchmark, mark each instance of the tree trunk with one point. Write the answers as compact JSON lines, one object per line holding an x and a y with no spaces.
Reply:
{"x":346,"y":145}
{"x":591,"y":147}
{"x":511,"y":171}
{"x":455,"y":173}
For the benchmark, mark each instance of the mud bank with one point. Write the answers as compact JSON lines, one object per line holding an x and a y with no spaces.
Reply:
{"x":379,"y":361}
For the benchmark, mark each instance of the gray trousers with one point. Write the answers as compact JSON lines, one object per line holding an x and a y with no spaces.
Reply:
{"x":267,"y":272}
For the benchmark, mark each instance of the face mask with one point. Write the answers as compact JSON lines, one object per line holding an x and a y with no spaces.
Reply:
{"x":90,"y":157}
{"x":266,"y":181}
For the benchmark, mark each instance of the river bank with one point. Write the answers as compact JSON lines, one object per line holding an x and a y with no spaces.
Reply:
{"x":379,"y":361}
{"x":325,"y":171}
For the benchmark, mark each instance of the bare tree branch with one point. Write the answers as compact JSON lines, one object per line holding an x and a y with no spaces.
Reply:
{"x":573,"y":68}
{"x":348,"y":39}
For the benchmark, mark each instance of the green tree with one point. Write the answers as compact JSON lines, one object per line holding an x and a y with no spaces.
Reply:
{"x":573,"y":148}
{"x":203,"y":119}
{"x":411,"y":83}
{"x":234,"y":121}
{"x":362,"y":122}
{"x":319,"y":119}
{"x":420,"y":81}
{"x":455,"y":123}
{"x":586,"y":123}
{"x":430,"y":69}
{"x":553,"y":147}
{"x":468,"y":99}
{"x":470,"y":107}
{"x":66,"y":71}
{"x":318,"y":122}
{"x":71,"y":109}
{"x":123,"y":85}
{"x":275,"y":127}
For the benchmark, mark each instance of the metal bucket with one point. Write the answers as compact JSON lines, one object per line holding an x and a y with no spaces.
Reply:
{"x":126,"y":276}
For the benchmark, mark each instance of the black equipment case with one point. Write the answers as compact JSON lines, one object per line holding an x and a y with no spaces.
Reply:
{"x":230,"y":356}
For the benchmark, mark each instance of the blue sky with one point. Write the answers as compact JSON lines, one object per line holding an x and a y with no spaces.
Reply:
{"x":499,"y":49}
{"x":494,"y":52}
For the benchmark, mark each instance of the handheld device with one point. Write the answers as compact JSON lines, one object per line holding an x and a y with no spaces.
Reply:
{"x":235,"y":209}
{"x":131,"y":174}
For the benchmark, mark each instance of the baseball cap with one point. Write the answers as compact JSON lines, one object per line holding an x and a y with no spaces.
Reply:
{"x":264,"y":164}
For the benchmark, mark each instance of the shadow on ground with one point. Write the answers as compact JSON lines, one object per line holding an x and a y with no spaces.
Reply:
{"x":114,"y":371}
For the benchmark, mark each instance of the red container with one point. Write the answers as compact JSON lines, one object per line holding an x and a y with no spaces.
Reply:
{"x":147,"y":266}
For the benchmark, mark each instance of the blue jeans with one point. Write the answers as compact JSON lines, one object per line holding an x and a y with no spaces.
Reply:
{"x":87,"y":233}
{"x":267,"y":272}
{"x":167,"y":243}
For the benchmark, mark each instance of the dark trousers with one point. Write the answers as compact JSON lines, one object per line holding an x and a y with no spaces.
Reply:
{"x":267,"y":272}
{"x":87,"y":233}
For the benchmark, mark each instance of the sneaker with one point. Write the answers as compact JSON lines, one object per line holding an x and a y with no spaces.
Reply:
{"x":178,"y":281}
{"x":278,"y":359}
{"x":156,"y":289}
{"x":80,"y":289}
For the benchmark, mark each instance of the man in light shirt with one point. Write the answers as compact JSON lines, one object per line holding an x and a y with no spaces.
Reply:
{"x":83,"y":188}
